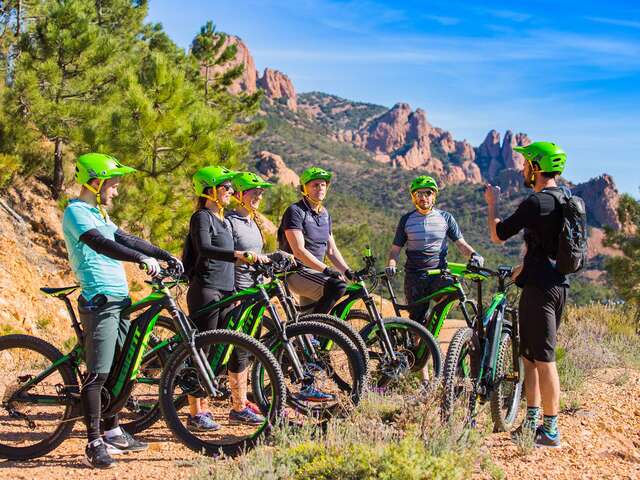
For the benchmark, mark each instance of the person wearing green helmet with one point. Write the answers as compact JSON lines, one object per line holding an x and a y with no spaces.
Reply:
{"x":544,"y":289}
{"x":306,"y":232}
{"x":424,"y":232}
{"x":209,"y":256}
{"x":96,"y":249}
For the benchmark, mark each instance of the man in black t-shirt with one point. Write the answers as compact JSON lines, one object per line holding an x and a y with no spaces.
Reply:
{"x":544,"y":289}
{"x":306,"y":232}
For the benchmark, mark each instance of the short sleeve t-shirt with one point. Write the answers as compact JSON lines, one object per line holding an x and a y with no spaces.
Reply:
{"x":540,"y":216}
{"x":316,"y":227}
{"x":425,"y":238}
{"x":96,"y":273}
{"x":246,"y":237}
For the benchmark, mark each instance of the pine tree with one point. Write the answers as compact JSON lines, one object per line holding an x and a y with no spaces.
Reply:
{"x":624,"y":270}
{"x":70,"y":58}
{"x":214,"y":53}
{"x":162,"y":127}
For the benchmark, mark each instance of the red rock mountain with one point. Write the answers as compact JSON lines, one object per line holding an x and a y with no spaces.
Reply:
{"x":404,"y":138}
{"x":276,"y":85}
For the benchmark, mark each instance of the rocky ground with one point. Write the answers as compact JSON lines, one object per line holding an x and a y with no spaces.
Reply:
{"x":600,"y":433}
{"x":600,"y":427}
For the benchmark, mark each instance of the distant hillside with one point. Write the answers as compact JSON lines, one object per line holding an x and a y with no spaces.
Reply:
{"x":375,"y":151}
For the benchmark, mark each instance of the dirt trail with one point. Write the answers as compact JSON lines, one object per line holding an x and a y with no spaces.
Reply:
{"x":601,"y":439}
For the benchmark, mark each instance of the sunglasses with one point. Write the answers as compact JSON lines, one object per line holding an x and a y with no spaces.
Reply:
{"x":227,"y":186}
{"x":424,"y":193}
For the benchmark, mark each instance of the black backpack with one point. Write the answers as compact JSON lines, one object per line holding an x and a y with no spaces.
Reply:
{"x":572,"y":242}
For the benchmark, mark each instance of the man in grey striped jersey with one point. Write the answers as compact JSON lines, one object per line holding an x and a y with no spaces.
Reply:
{"x":425,"y":232}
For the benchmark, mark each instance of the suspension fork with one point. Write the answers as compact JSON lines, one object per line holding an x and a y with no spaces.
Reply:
{"x":392,"y":294}
{"x":280,"y":330}
{"x":383,"y":335}
{"x":188,"y":333}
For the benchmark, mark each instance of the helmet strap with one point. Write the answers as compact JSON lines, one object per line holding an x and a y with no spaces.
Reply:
{"x":214,"y":199}
{"x":97,"y":192}
{"x":246,"y":206}
{"x":315,"y":204}
{"x":418,"y":208}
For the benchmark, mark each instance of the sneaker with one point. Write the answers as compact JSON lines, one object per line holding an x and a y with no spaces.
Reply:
{"x":125,"y":443}
{"x":253,"y":407}
{"x":312,"y":394}
{"x":246,"y":416}
{"x":201,"y":422}
{"x":543,"y":439}
{"x":524,"y":428}
{"x":96,"y":455}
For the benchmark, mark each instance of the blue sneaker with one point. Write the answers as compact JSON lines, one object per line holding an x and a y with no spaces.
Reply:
{"x":543,"y":439}
{"x":202,"y":422}
{"x":312,"y":394}
{"x":246,"y":416}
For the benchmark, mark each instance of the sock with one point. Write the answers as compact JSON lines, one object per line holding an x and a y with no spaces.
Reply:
{"x":114,"y":432}
{"x":95,"y":443}
{"x":533,"y":415}
{"x":550,"y":425}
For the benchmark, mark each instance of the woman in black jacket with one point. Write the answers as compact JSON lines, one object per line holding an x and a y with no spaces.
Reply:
{"x":212,"y":278}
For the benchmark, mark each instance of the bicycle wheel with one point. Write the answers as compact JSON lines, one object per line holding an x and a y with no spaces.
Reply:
{"x":36,"y":421}
{"x":505,"y":398}
{"x":348,"y":330}
{"x":337,"y":372}
{"x":180,"y":379}
{"x":142,"y":408}
{"x":415,"y":350}
{"x":460,"y":374}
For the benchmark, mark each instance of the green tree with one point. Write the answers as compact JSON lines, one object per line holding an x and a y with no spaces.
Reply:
{"x":162,"y":127}
{"x":71,"y":54}
{"x":625,"y":269}
{"x":215,"y":53}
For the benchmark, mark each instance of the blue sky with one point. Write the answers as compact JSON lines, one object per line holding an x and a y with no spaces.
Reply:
{"x":567,"y":71}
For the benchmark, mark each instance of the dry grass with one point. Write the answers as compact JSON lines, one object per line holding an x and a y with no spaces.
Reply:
{"x":387,"y":436}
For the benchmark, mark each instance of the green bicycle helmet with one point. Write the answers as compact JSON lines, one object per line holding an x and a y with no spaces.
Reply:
{"x":424,"y":181}
{"x":99,"y":165}
{"x":211,"y":177}
{"x":549,"y":156}
{"x":315,"y":173}
{"x":248,"y":180}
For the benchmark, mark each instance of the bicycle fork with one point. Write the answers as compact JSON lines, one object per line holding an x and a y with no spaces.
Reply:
{"x":281,"y":331}
{"x":198,"y":355}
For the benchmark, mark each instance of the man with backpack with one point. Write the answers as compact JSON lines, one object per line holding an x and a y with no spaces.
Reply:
{"x":554,"y":225}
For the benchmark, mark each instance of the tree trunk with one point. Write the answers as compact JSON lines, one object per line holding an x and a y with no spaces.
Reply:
{"x":58,"y":171}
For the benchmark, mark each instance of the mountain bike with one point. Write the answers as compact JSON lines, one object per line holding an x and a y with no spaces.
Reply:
{"x":396,"y":346}
{"x":40,"y":386}
{"x":311,"y":353}
{"x":445,"y":298}
{"x":482,"y":363}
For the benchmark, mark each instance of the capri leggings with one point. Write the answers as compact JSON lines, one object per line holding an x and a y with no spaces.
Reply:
{"x":199,"y":296}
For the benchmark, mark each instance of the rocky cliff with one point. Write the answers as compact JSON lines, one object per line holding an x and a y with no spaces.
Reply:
{"x":601,"y":198}
{"x":403,"y":138}
{"x":278,"y":87}
{"x":273,"y":169}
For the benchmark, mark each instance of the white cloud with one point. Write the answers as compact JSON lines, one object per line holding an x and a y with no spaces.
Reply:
{"x":615,"y":21}
{"x":443,"y":20}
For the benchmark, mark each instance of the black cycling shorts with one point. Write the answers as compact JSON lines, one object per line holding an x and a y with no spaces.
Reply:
{"x":540,"y":311}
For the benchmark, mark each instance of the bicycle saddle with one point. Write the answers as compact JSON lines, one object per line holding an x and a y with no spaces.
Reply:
{"x":60,"y":292}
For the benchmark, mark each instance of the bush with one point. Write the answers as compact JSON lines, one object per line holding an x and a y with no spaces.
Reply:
{"x":386,"y":437}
